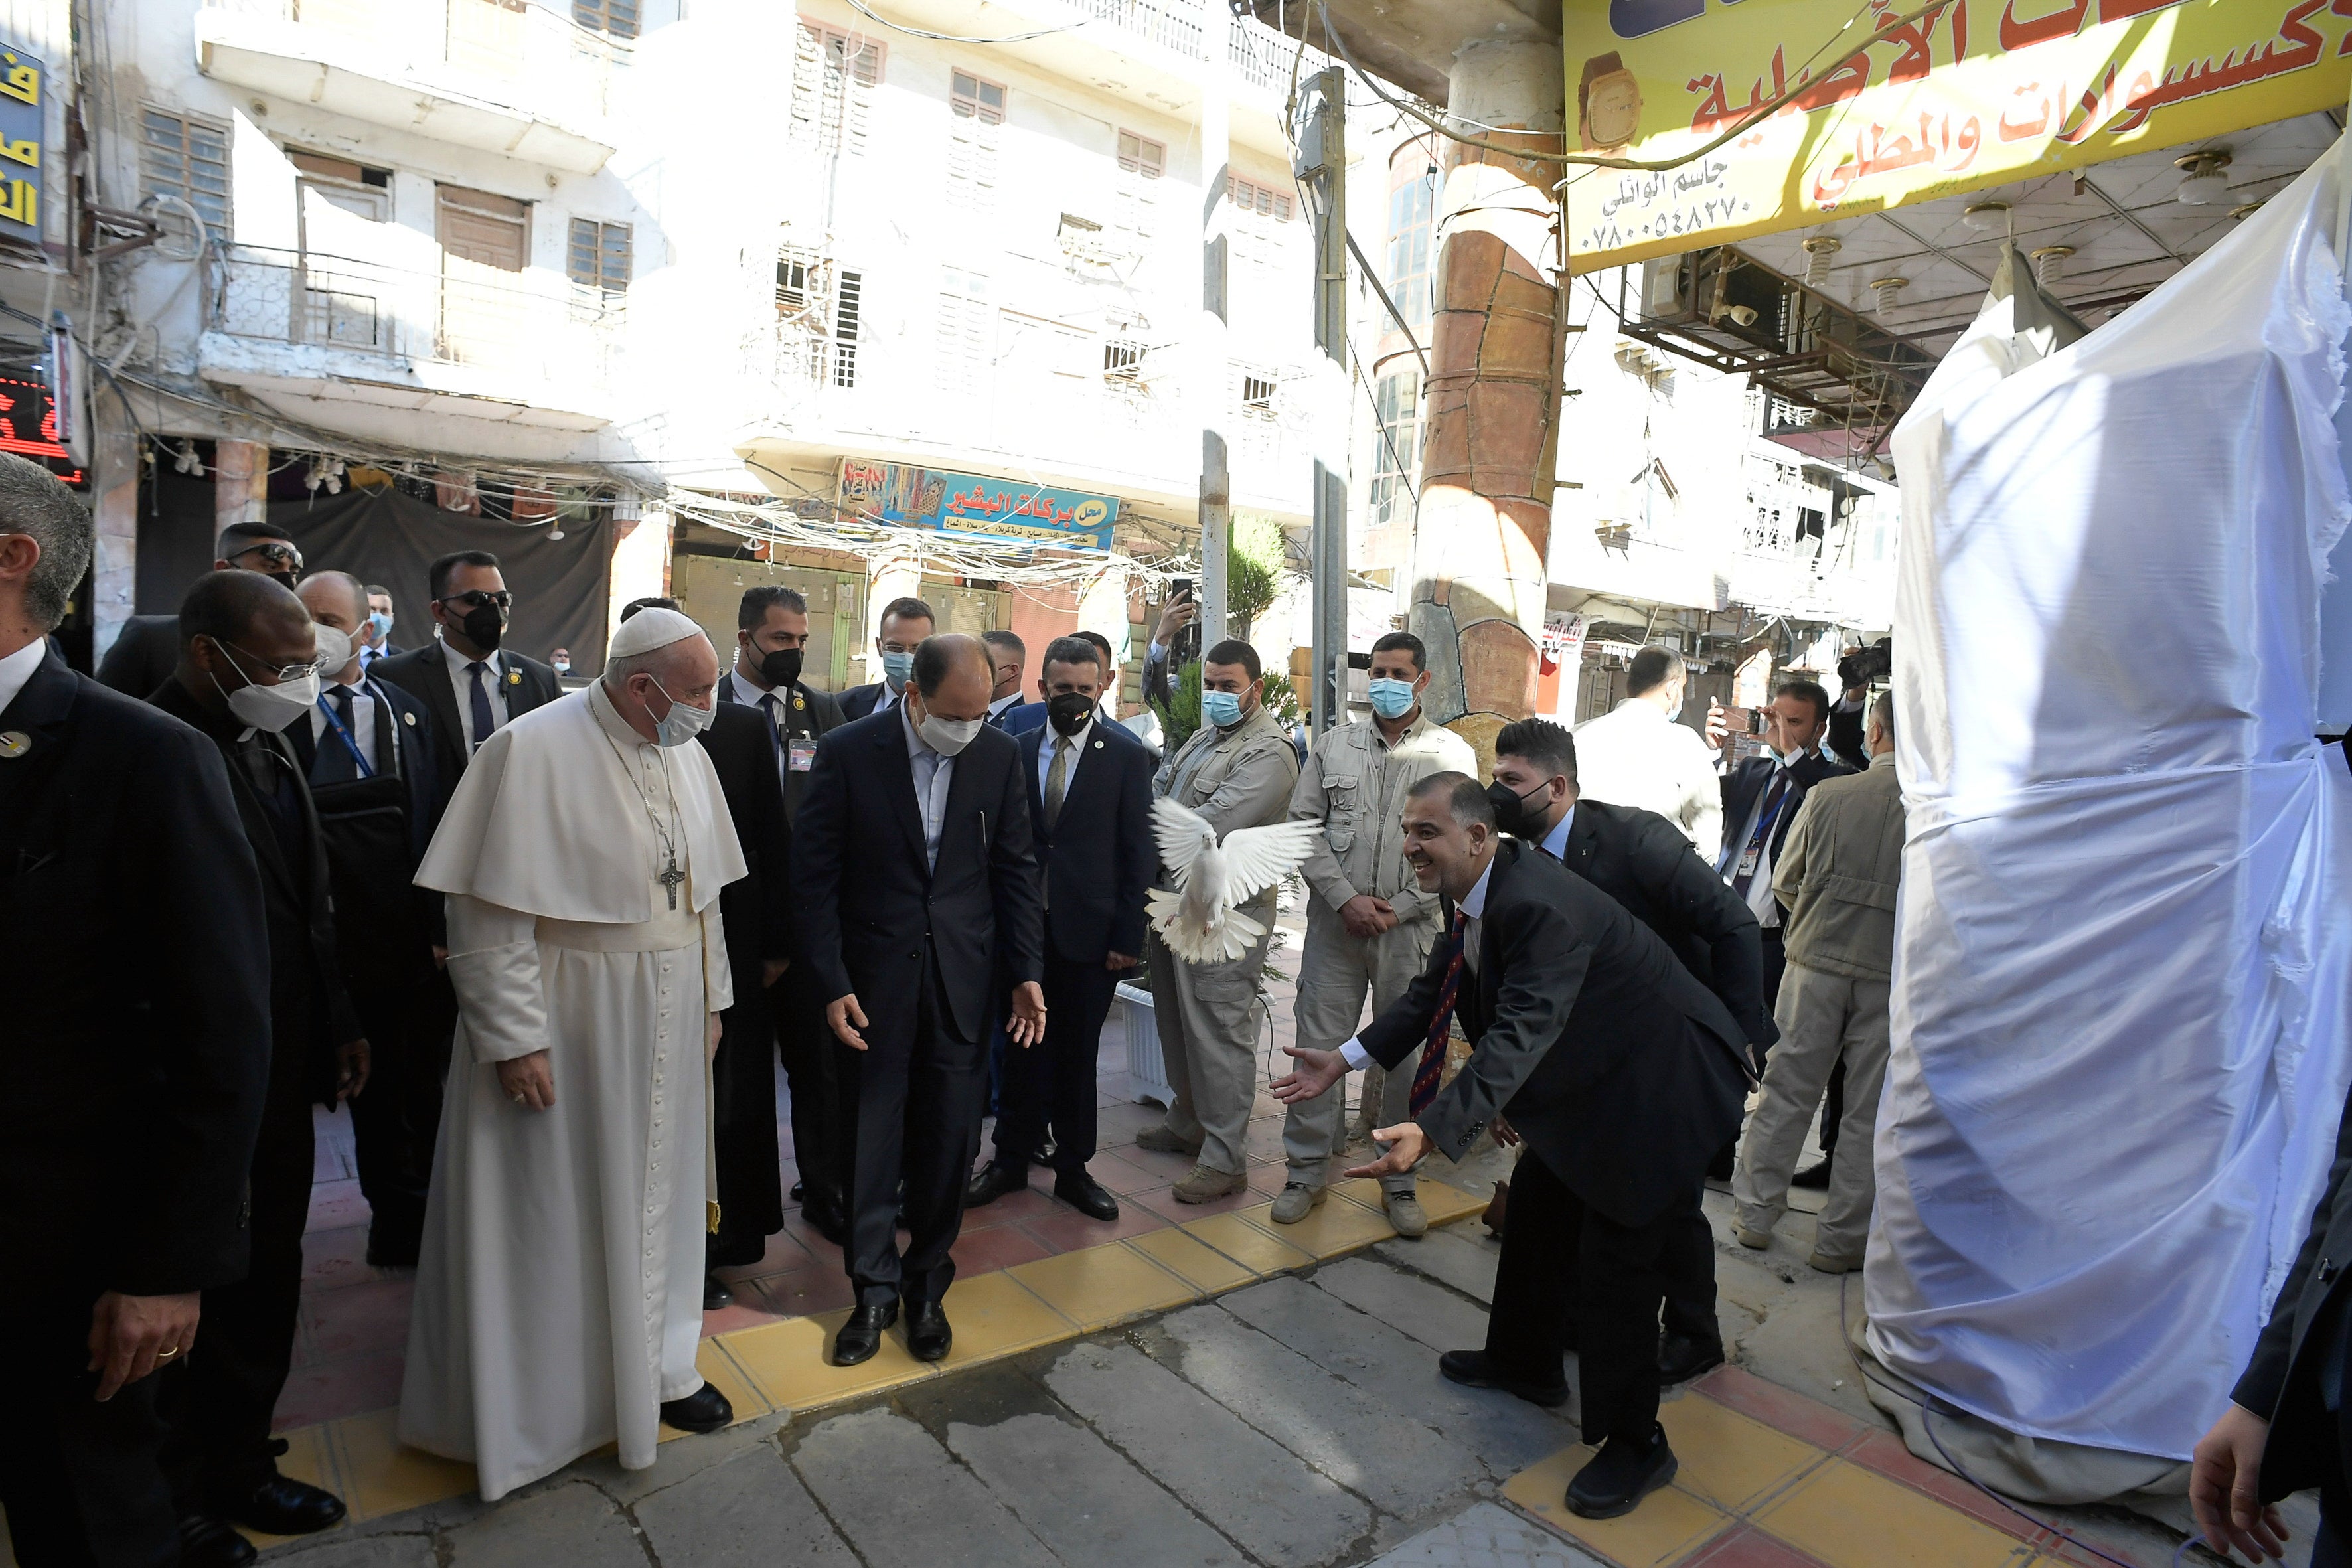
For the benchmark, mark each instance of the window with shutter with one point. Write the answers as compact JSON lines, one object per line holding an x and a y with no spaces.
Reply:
{"x":835,"y":76}
{"x":965,"y":342}
{"x":848,"y":321}
{"x":614,"y":19}
{"x":598,"y":257}
{"x":1141,"y":161}
{"x":975,"y":128}
{"x":186,"y":156}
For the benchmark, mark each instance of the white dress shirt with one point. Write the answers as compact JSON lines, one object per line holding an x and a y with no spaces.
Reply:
{"x":1473,"y":908}
{"x":1078,"y":745}
{"x":461,"y":681}
{"x":1759,"y":887}
{"x":1635,"y":755}
{"x":362,"y":722}
{"x":17,"y":668}
{"x":1555,"y":843}
{"x":1002,"y":705}
{"x":934,"y":773}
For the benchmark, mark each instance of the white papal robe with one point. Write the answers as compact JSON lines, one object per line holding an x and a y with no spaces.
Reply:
{"x":559,"y":1290}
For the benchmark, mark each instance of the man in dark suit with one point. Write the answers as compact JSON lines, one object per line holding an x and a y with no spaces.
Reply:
{"x":1008,"y":656}
{"x":917,"y":897}
{"x":367,"y":749}
{"x":770,"y":640}
{"x":376,"y":642}
{"x":1030,"y":716}
{"x":247,"y":673}
{"x":904,"y":625}
{"x":469,"y":684}
{"x":1090,"y":798}
{"x":1645,"y":863}
{"x":147,"y":649}
{"x":754,"y":908}
{"x":2285,"y":1429}
{"x":129,"y":1090}
{"x":1619,"y":1071}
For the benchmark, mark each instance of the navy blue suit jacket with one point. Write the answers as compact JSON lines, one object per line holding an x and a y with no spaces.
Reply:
{"x":859,"y":701}
{"x":1744,"y":784}
{"x":1098,"y":854}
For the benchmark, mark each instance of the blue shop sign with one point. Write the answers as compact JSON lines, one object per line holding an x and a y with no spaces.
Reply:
{"x":975,"y":507}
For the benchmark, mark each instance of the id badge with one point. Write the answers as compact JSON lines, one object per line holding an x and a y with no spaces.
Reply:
{"x":801,"y":755}
{"x":1748,"y":859}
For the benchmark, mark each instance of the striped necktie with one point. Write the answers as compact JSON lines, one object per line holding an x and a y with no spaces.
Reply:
{"x":1441,"y":1024}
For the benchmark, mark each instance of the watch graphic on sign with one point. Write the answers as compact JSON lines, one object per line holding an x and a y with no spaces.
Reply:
{"x":1608,"y":105}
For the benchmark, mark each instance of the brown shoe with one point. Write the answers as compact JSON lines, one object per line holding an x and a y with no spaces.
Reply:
{"x":1163,"y":1140}
{"x":1204,"y":1184}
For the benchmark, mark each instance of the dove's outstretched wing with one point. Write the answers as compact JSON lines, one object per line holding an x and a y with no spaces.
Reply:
{"x":1257,"y":857}
{"x":1182,"y":834}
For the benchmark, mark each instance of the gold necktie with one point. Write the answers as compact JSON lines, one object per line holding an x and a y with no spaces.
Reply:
{"x":1058,"y":779}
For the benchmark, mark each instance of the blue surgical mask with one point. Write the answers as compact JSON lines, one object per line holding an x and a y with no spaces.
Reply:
{"x":1391,"y":698}
{"x":381,"y":624}
{"x":1222,"y":708}
{"x":896,"y":668}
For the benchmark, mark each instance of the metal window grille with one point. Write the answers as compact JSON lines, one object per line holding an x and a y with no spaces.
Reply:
{"x":848,"y":315}
{"x":614,"y":19}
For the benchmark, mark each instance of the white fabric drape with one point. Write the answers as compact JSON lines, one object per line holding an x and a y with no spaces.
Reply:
{"x":2120,"y":1008}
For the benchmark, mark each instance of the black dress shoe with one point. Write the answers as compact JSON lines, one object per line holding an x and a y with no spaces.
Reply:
{"x":281,"y":1506}
{"x":714,"y":1293}
{"x":824,"y":1216}
{"x":1472,"y":1369}
{"x":704,"y":1410}
{"x":207,"y":1543}
{"x":1681,"y":1357}
{"x":1618,"y":1476}
{"x":861,"y":1336}
{"x":992,"y":1181}
{"x":392,"y":1249}
{"x":1086,"y":1195}
{"x":799,"y":1190}
{"x":1814,"y":1177}
{"x":927,"y":1334}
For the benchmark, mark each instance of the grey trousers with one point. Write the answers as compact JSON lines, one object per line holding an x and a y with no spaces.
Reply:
{"x":1823,"y":1017}
{"x":1207,"y":1015}
{"x":1335,"y":970}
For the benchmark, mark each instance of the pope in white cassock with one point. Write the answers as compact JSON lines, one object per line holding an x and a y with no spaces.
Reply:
{"x":559,"y":1292}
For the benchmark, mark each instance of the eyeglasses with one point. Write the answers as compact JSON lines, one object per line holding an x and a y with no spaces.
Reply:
{"x":281,"y":673}
{"x":473,"y":599}
{"x":277,"y":555}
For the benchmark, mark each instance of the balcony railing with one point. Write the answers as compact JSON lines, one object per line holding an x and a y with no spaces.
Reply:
{"x":555,"y":334}
{"x":496,"y":41}
{"x":1176,"y":25}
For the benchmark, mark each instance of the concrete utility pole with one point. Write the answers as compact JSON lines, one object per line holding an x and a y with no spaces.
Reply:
{"x":1322,"y":165}
{"x":1481,"y":546}
{"x":1210,"y":374}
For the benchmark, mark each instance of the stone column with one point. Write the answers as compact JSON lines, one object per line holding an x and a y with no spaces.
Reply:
{"x":240,"y":482}
{"x":1492,"y":399}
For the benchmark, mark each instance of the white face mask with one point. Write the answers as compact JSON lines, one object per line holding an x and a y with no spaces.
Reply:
{"x":681,"y":723}
{"x":273,"y":707}
{"x":334,"y":649}
{"x":948,"y":736}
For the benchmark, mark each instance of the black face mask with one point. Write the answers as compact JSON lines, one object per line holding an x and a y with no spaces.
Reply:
{"x":1513,"y":814}
{"x":1069,"y":711}
{"x":780,"y":668}
{"x":288,"y":578}
{"x":484,"y":624}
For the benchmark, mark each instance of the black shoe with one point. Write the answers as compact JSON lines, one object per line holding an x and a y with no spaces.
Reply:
{"x":1472,"y":1370}
{"x":704,"y":1410}
{"x":861,"y":1336}
{"x":206,"y":1543}
{"x":393,"y":1248}
{"x":1814,"y":1177}
{"x":281,"y":1506}
{"x":992,"y":1181}
{"x":825,"y":1217}
{"x":799,"y":1190}
{"x":1086,"y":1195}
{"x":1618,"y":1476}
{"x":1681,"y":1357}
{"x":927,"y":1334}
{"x":714,"y":1293}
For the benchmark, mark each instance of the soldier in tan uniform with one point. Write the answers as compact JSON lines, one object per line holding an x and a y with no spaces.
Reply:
{"x":1237,"y":770}
{"x":1369,"y":925}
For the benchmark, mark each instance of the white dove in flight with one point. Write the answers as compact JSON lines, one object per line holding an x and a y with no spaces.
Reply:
{"x":1198,"y":920}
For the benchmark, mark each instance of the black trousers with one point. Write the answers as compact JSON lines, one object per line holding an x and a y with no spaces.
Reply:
{"x":220,"y":1402}
{"x":813,"y":1074}
{"x":917,"y":1101}
{"x":743,"y":1123}
{"x":80,"y":1481}
{"x":1565,"y":1262}
{"x":396,"y":1118}
{"x":1053,"y":1082}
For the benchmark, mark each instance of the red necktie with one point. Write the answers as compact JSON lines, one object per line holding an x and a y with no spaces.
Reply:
{"x":1432,"y":1051}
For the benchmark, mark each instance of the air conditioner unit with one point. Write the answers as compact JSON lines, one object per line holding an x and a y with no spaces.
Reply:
{"x":1670,"y":288}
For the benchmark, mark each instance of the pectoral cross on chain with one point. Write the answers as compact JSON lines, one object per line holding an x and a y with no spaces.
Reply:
{"x":669,"y":879}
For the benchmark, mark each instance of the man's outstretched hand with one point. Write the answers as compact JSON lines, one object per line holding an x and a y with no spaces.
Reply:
{"x":2225,"y":1469}
{"x":1027,"y":1024}
{"x":1317,"y":1072}
{"x":1407,"y":1144}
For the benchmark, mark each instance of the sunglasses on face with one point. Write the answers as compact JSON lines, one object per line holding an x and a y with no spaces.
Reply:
{"x":280,"y":557}
{"x":476,"y":599}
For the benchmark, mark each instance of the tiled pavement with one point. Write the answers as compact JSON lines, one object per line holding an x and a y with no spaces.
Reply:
{"x":1188,"y":1386}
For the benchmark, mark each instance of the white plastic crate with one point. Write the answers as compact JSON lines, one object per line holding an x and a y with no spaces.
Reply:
{"x":1147,"y":1072}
